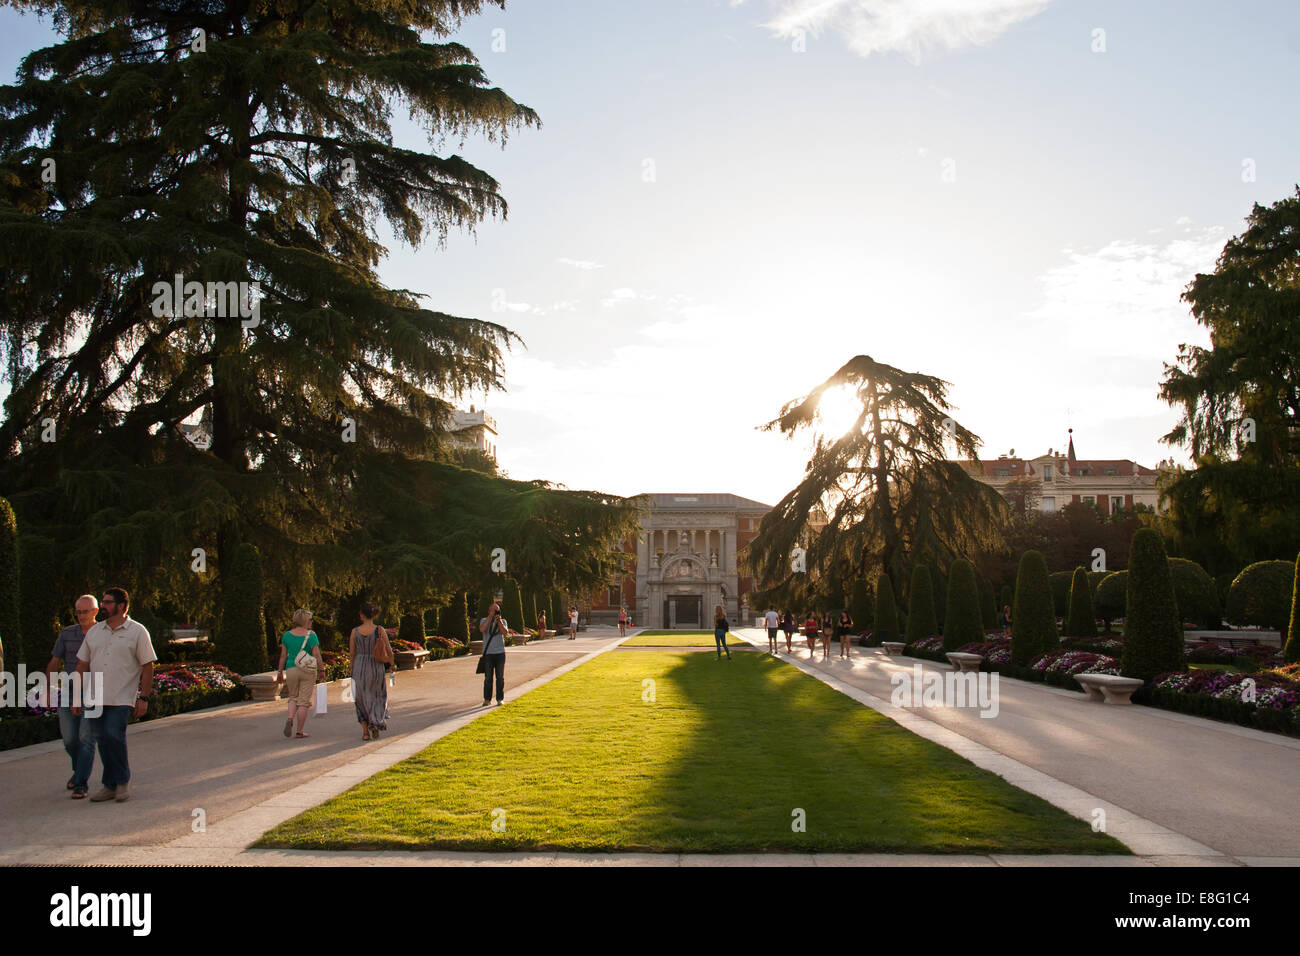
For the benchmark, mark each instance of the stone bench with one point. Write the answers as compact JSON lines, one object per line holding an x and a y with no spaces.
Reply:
{"x":263,"y":686}
{"x":1109,"y":687}
{"x":893,"y":648}
{"x":409,"y":660}
{"x":964,"y":662}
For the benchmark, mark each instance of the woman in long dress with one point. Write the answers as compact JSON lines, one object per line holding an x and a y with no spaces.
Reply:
{"x":369,"y":690}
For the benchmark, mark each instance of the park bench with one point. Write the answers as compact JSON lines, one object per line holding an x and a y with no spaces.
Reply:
{"x":1109,"y":687}
{"x":409,"y":660}
{"x":1233,"y":642}
{"x":263,"y":686}
{"x":964,"y":662}
{"x":893,"y":648}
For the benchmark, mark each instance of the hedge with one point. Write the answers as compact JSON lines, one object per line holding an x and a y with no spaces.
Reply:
{"x":453,"y":620}
{"x":860,"y":604}
{"x":9,"y":586}
{"x":1033,"y":619}
{"x":988,"y":604}
{"x":239,"y":640}
{"x":512,"y":604}
{"x":1112,"y":593}
{"x":1197,"y":597}
{"x":1061,"y":581}
{"x":411,"y":628}
{"x":1291,"y":649}
{"x":1153,"y":635}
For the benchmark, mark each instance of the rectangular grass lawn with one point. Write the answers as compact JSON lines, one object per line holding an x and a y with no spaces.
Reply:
{"x":681,"y":752}
{"x":680,"y":639}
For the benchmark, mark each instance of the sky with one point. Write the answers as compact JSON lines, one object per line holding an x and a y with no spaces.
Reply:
{"x":726,"y":201}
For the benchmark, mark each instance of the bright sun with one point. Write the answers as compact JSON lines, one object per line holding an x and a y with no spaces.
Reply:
{"x":838,"y":409}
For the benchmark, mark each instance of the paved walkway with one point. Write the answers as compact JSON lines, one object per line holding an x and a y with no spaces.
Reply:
{"x":1171,"y":785}
{"x":1178,"y":790}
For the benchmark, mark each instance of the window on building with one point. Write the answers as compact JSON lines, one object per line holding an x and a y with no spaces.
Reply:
{"x":1047,"y":473}
{"x":1049,"y":504}
{"x":1089,"y":499}
{"x":1083,"y":471}
{"x":1116,"y":503}
{"x":1001,"y":473}
{"x":615,"y":597}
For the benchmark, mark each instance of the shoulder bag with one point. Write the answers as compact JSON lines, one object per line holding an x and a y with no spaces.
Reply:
{"x":305,"y":659}
{"x":383,"y":651}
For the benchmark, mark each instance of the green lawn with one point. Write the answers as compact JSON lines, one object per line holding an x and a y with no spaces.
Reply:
{"x":680,"y":639}
{"x":719,"y":760}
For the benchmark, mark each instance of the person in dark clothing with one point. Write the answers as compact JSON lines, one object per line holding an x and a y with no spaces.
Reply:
{"x":720,"y":628}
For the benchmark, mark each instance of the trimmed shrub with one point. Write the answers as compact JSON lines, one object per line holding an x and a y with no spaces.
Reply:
{"x":1006,"y":597}
{"x":938,"y":596}
{"x":886,"y":612}
{"x":962,"y":615}
{"x":512,"y":605}
{"x":1261,"y":595}
{"x":1061,"y":581}
{"x":453,"y":620}
{"x":988,"y":604}
{"x":1111,"y":596}
{"x":559,"y":618}
{"x":38,"y":615}
{"x":860,"y":605}
{"x":1033,"y":618}
{"x":921,"y":620}
{"x":239,"y":642}
{"x":1291,"y":650}
{"x":1197,"y":597}
{"x":1153,"y":636}
{"x":411,"y":628}
{"x":1082,"y":619}
{"x":531,"y":609}
{"x":9,"y":586}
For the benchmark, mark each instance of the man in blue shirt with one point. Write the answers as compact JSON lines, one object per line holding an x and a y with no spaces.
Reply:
{"x":75,"y":728}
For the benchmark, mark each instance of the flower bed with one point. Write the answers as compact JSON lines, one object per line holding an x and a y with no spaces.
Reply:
{"x":336,"y":666}
{"x":177,"y":688}
{"x":1250,"y":658}
{"x":1219,"y":695}
{"x":398,"y":644}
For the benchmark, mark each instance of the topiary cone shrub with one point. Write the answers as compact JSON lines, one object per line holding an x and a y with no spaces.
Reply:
{"x":1153,"y":636}
{"x":1033,"y":617}
{"x":239,"y":642}
{"x":988,"y":604}
{"x":1082,"y":619}
{"x":411,"y":629}
{"x":1111,"y":596}
{"x":512,"y":606}
{"x":8,"y":585}
{"x":453,"y":620}
{"x":1291,"y":649}
{"x":962,"y":622}
{"x":860,"y":605}
{"x":1196,"y":594}
{"x":921,"y":620}
{"x":1061,"y":581}
{"x":886,"y":613}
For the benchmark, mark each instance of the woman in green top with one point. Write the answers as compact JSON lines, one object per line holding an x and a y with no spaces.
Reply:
{"x":299,"y":682}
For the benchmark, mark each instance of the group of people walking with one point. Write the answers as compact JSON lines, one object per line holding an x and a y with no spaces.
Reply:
{"x":815,"y":625}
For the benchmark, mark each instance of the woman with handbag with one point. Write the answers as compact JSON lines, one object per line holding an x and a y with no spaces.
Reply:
{"x":371,"y":653}
{"x":300,"y":662}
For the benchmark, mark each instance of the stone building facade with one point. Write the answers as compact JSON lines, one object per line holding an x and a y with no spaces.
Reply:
{"x":685,"y":562}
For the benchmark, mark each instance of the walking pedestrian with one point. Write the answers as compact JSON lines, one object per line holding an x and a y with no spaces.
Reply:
{"x":788,"y":625}
{"x":300,"y":663}
{"x":810,"y":632}
{"x":494,"y":628}
{"x":119,"y":652}
{"x":622,"y":621}
{"x":541,"y":625}
{"x":720,"y":628}
{"x":371,"y":654}
{"x":844,"y":630}
{"x":75,"y":730}
{"x":573,"y":623}
{"x":773,"y":621}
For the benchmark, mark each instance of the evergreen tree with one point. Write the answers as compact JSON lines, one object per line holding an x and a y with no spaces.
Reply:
{"x":921,"y":620}
{"x":1153,"y":636}
{"x":261,"y":170}
{"x":1082,"y":619}
{"x":886,"y":613}
{"x":1033,"y":618}
{"x":962,"y":623}
{"x":1292,"y":649}
{"x":239,"y":643}
{"x":453,"y":620}
{"x":885,"y":485}
{"x":9,"y":587}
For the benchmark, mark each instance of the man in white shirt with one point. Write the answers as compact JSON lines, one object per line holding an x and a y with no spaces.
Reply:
{"x":119,"y":653}
{"x":773,"y":622}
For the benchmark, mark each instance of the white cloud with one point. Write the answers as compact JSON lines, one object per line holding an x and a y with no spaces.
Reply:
{"x":911,"y":27}
{"x":624,"y":295}
{"x":585,"y":264}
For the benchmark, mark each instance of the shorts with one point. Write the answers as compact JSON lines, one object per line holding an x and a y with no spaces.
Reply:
{"x":771,"y":633}
{"x":299,"y":684}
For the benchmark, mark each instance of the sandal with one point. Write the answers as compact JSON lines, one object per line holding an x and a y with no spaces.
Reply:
{"x":365,"y":734}
{"x":288,"y":727}
{"x":300,"y":735}
{"x":79,"y":793}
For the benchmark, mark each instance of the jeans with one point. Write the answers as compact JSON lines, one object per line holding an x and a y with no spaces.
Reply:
{"x":79,"y":742}
{"x":496,"y":664}
{"x":110,"y":734}
{"x":720,"y":639}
